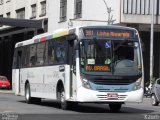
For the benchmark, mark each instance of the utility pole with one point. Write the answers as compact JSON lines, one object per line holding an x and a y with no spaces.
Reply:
{"x":151,"y":42}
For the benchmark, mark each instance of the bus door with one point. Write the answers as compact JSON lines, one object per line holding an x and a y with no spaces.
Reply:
{"x":72,"y":64}
{"x":17,"y":74}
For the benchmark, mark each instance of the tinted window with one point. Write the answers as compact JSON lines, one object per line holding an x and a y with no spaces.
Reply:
{"x":32,"y":57}
{"x":25,"y":56}
{"x":40,"y":53}
{"x":51,"y":52}
{"x":46,"y":53}
{"x":60,"y":54}
{"x":57,"y":51}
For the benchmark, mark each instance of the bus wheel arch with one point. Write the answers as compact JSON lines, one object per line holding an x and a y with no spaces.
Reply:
{"x":58,"y":88}
{"x":27,"y":82}
{"x":29,"y":99}
{"x":61,"y":96}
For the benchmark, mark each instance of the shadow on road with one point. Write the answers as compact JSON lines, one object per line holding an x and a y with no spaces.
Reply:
{"x":93,"y":108}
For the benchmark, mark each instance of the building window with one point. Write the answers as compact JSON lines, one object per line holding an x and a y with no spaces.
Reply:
{"x":33,"y":14}
{"x":1,"y":2}
{"x":78,"y":9}
{"x":125,"y":6}
{"x":21,"y":13}
{"x":43,"y":9}
{"x":63,"y":10}
{"x":8,"y":15}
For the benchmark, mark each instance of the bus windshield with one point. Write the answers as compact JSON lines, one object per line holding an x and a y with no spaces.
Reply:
{"x":110,"y":57}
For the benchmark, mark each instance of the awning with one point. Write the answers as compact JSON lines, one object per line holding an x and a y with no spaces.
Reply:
{"x":21,"y":22}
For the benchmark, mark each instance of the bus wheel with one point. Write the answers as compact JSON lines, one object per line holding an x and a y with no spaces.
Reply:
{"x":115,"y":107}
{"x":63,"y":102}
{"x":28,"y":97}
{"x":28,"y":93}
{"x":154,"y":100}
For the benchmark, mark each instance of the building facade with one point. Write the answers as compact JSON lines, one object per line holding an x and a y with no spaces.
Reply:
{"x":10,"y":35}
{"x":72,"y":13}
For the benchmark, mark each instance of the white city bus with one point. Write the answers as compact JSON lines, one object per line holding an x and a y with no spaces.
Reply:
{"x":87,"y":64}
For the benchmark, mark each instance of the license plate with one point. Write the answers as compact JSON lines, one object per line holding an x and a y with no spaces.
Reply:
{"x":112,"y":96}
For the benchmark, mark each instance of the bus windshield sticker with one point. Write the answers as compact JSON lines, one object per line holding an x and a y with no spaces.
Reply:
{"x":61,"y":68}
{"x":91,"y":61}
{"x":107,"y":44}
{"x":108,"y":61}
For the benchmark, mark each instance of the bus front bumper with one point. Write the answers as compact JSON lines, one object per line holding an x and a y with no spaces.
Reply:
{"x":87,"y":95}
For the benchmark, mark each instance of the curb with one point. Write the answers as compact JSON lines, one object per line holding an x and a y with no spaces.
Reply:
{"x":7,"y":91}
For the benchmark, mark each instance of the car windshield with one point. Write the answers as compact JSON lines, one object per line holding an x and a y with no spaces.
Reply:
{"x":3,"y":78}
{"x":110,"y":57}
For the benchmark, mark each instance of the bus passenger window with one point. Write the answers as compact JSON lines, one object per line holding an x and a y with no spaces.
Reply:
{"x":45,"y":55}
{"x":24,"y":57}
{"x":40,"y":52}
{"x":51,"y":52}
{"x":32,"y":58}
{"x":60,"y":52}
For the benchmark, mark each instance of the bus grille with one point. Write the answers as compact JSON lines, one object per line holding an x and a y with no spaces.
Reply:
{"x":105,"y":97}
{"x":115,"y":90}
{"x":113,"y":82}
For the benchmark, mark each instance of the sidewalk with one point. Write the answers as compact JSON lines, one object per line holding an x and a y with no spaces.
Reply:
{"x":6,"y":91}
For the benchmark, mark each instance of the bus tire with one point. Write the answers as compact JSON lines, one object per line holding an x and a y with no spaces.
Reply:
{"x":28,"y":97}
{"x":115,"y":107}
{"x":28,"y":94}
{"x":65,"y":105}
{"x":154,"y":100}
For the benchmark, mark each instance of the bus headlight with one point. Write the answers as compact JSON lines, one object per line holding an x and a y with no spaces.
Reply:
{"x":137,"y":85}
{"x":85,"y":83}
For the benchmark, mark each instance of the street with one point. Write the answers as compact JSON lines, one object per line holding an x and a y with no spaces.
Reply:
{"x":48,"y":109}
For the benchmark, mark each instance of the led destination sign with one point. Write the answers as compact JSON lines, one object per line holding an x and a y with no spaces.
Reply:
{"x":97,"y":68}
{"x":108,"y":33}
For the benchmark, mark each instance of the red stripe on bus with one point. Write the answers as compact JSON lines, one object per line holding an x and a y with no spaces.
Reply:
{"x":42,"y":39}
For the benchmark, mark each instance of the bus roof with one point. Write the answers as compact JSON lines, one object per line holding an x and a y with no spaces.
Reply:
{"x":43,"y":37}
{"x":109,"y":27}
{"x":62,"y":32}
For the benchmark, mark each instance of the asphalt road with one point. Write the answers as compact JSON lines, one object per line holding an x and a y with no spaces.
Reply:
{"x":14,"y":108}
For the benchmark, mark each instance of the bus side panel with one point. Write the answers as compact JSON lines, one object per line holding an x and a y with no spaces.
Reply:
{"x":43,"y":80}
{"x":52,"y":74}
{"x":35,"y":78}
{"x":23,"y":79}
{"x":67,"y":82}
{"x":15,"y":81}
